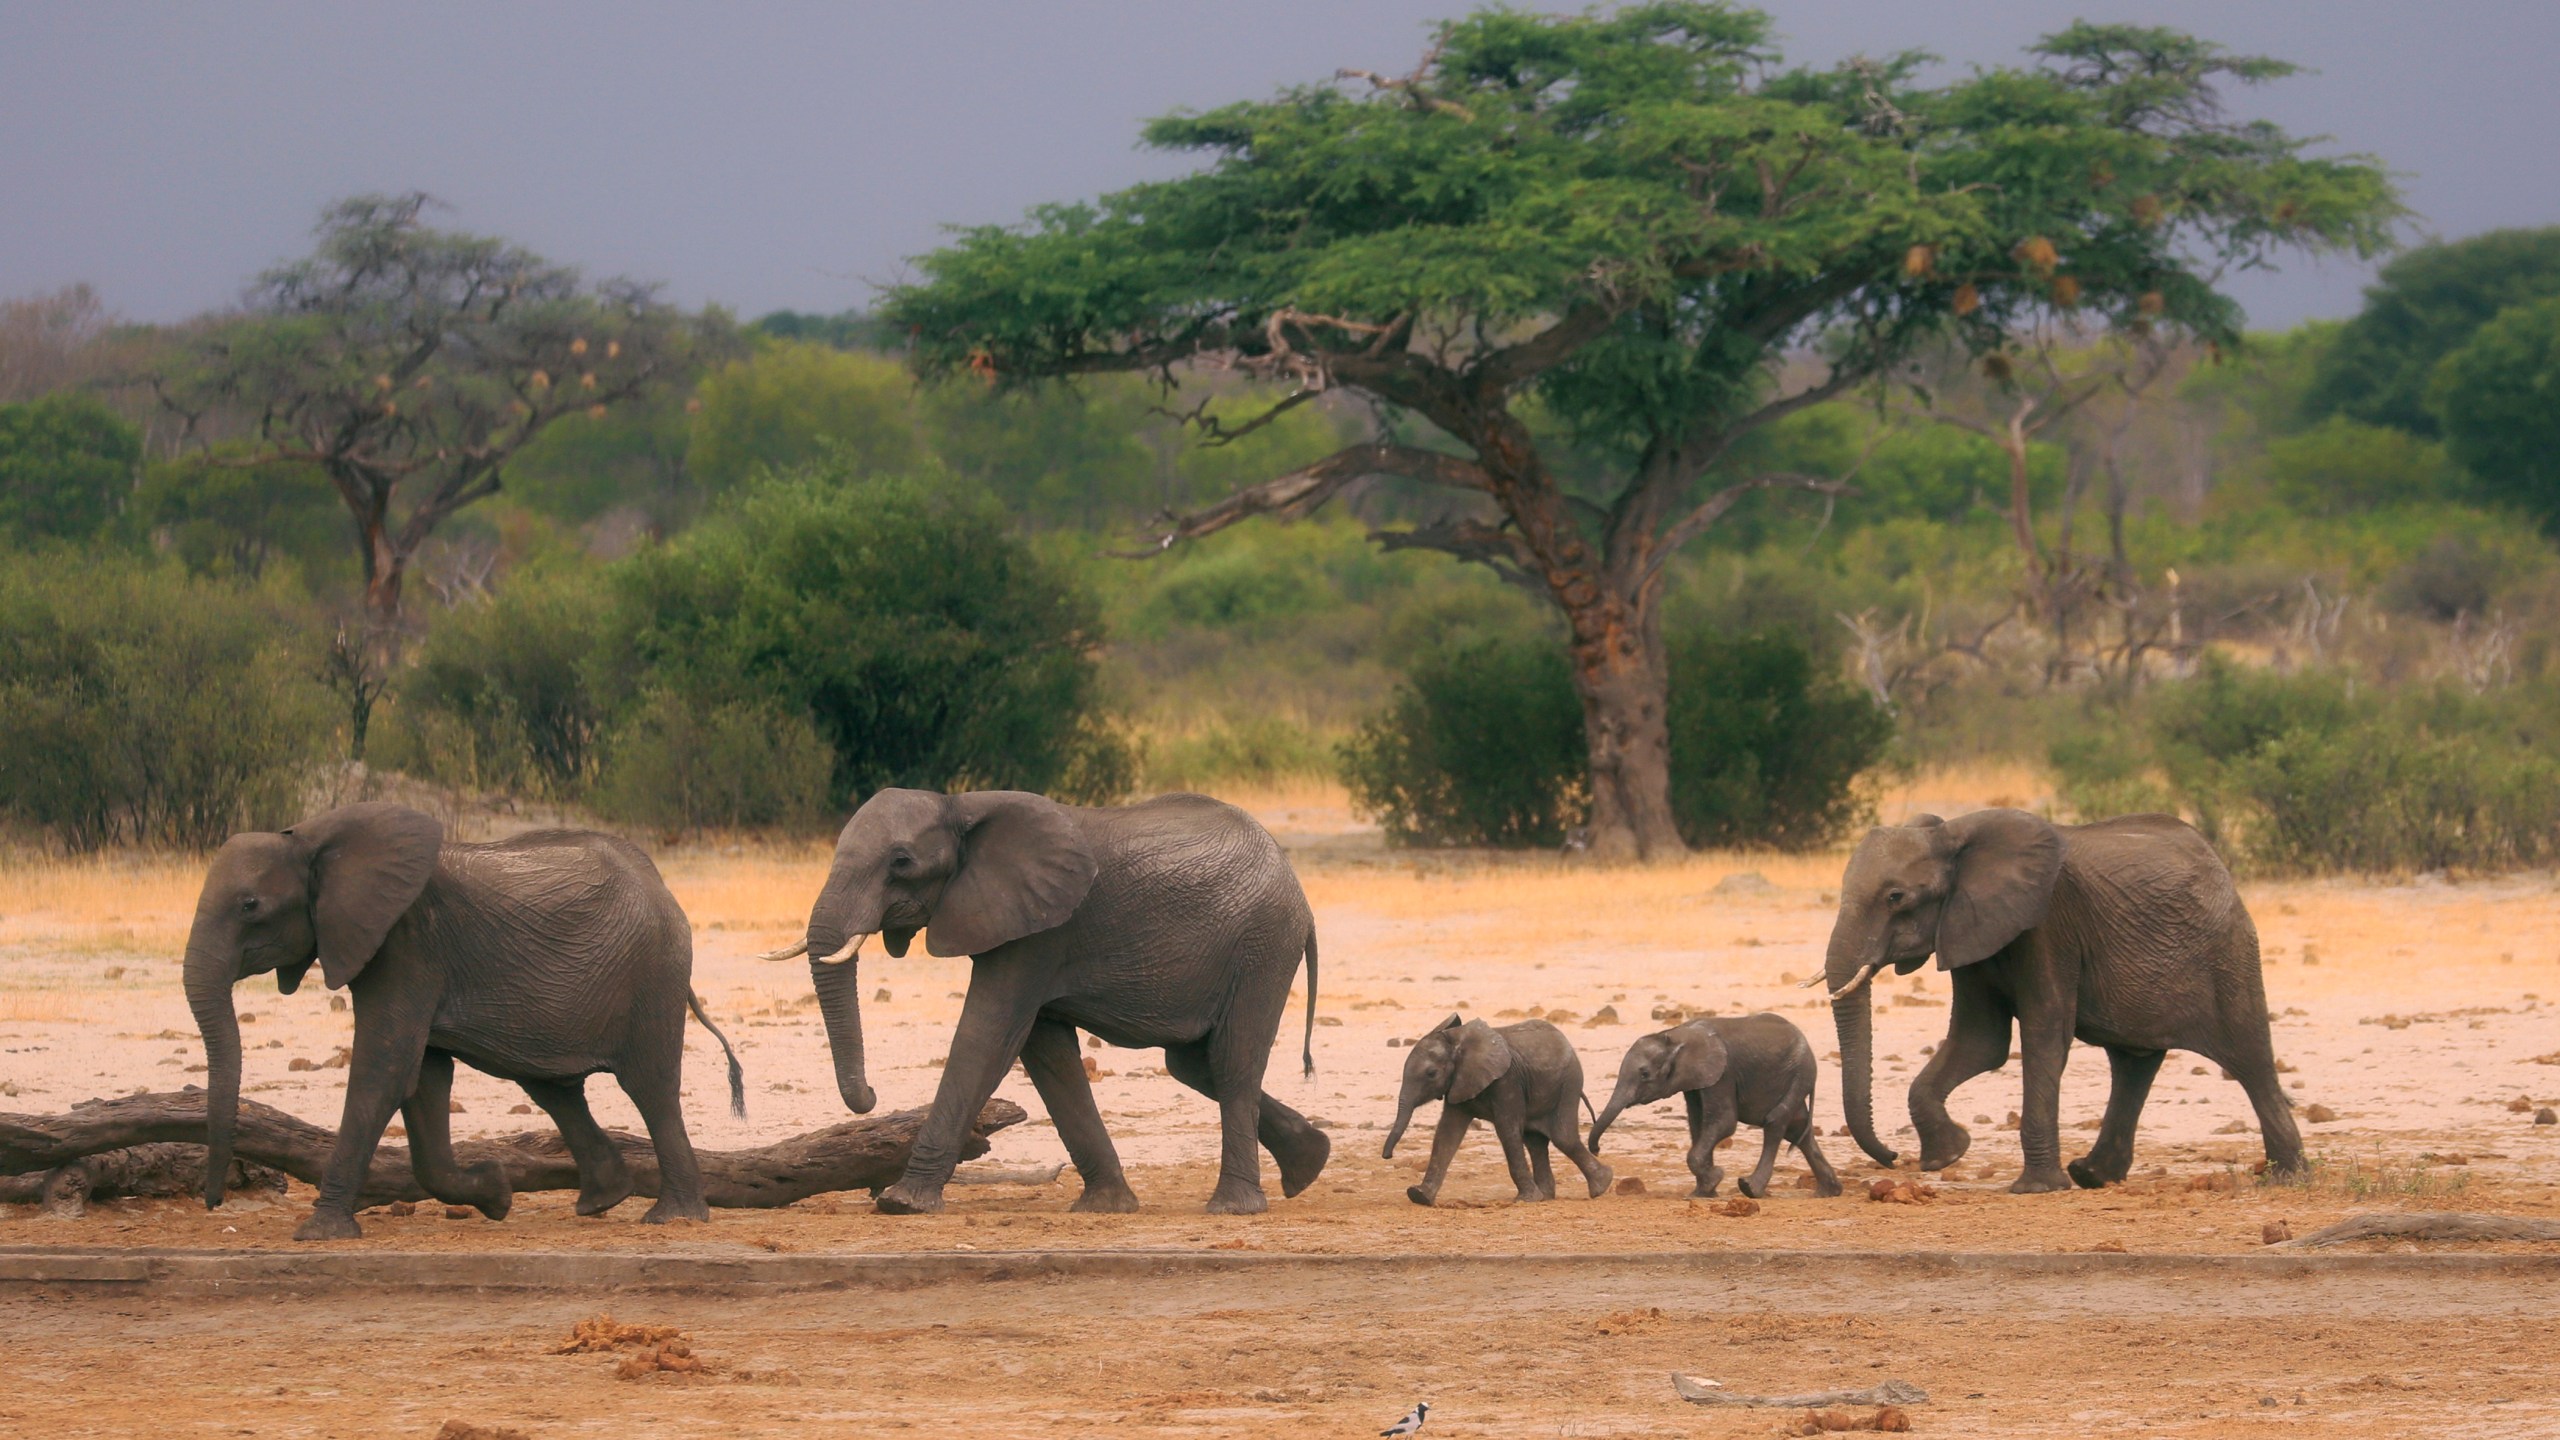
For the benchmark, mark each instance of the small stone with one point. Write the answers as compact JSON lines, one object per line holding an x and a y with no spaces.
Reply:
{"x":2546,"y":1116}
{"x":1630,"y":1185}
{"x":248,"y":1017}
{"x":1981,"y":1119}
{"x":459,"y":1212}
{"x":2274,"y":1232}
{"x":337,"y":1002}
{"x":519,"y":1108}
{"x":2319,"y":1114}
{"x":2521,"y":1105}
{"x":1395,"y":1042}
{"x":1605,"y":1015}
{"x":300,"y":1062}
{"x":454,"y":1107}
{"x":1093,"y":1069}
{"x":880,"y":996}
{"x":2198,"y":1070}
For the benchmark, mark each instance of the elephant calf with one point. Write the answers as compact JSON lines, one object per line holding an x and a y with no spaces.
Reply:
{"x":1754,"y":1068}
{"x":1524,"y":1078}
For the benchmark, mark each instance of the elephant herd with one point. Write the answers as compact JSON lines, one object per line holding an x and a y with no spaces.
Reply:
{"x":1178,"y":924}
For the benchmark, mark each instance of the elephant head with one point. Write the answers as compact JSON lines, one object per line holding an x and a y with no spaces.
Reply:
{"x":1963,"y":888}
{"x":974,"y":871}
{"x":1663,"y":1064}
{"x":1451,"y":1064}
{"x":328,"y":889}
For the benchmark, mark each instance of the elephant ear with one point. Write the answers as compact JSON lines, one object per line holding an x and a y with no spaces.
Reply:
{"x":1024,"y":868}
{"x":2004,"y":865}
{"x":1701,"y":1061}
{"x":1483,"y":1056}
{"x":369,"y":864}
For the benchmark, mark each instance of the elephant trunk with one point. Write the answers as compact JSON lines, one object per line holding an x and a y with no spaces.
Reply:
{"x":1854,"y":1016}
{"x":1619,"y":1100}
{"x":210,"y":971}
{"x":1406,"y":1104}
{"x":840,"y":1002}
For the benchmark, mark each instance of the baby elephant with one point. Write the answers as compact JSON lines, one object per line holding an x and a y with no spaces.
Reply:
{"x":1754,"y":1068}
{"x":1524,"y":1078}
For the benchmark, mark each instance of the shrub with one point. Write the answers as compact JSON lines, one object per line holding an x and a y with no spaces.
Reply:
{"x":927,"y":644}
{"x":1482,"y":745}
{"x":66,"y":463}
{"x":501,"y":697}
{"x":138,"y":706}
{"x":1259,"y":749}
{"x":1764,"y":749}
{"x":682,"y":764}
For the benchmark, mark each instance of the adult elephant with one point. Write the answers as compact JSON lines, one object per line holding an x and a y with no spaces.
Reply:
{"x":2127,"y":934}
{"x":1174,"y":923}
{"x":540,"y":959}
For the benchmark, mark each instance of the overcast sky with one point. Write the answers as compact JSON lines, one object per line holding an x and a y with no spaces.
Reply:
{"x":772,"y":156}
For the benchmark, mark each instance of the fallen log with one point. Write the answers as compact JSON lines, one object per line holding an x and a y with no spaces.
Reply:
{"x":2425,"y":1225}
{"x":859,"y":1154}
{"x":138,"y":1171}
{"x":1698,"y":1390}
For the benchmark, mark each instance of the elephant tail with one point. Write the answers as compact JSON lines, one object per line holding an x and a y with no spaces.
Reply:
{"x":737,"y":1073}
{"x":1587,"y":1110}
{"x":1307,"y":1051}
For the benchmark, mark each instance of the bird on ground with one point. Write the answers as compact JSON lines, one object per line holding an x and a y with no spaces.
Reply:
{"x":1411,"y":1424}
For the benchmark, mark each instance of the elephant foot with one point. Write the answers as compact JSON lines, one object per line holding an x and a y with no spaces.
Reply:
{"x":329,"y":1225}
{"x":1827,"y":1189}
{"x":1239,"y":1198}
{"x":2042,"y":1181}
{"x":1303,"y":1162}
{"x":501,"y":1195}
{"x":1601,"y":1179}
{"x":670,"y":1208}
{"x":1756,"y":1189}
{"x":597,"y":1199}
{"x":1532,"y":1196}
{"x":2286,"y":1169}
{"x":1703,"y":1190}
{"x":1938,"y":1151}
{"x":1100,"y":1199}
{"x":905,"y":1199}
{"x":1420,"y":1196}
{"x":2090,"y":1176}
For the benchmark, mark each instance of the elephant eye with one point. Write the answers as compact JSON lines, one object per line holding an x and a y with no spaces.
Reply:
{"x":902,"y":864}
{"x":1895,"y":898}
{"x":249,"y":904}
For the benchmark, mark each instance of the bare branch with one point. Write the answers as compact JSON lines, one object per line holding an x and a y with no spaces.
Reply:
{"x":1697,"y":522}
{"x":1498,"y":548}
{"x":1302,"y":492}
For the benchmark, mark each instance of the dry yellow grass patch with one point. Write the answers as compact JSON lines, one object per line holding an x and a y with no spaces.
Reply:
{"x":100,"y":904}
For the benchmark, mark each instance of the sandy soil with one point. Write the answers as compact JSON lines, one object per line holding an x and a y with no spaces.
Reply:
{"x":2416,"y":1013}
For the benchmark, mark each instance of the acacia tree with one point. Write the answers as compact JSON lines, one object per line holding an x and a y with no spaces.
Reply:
{"x":411,"y":364}
{"x":1622,"y":222}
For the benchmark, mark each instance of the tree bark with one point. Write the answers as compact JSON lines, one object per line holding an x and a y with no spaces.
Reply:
{"x":1623,"y":677}
{"x":855,"y":1155}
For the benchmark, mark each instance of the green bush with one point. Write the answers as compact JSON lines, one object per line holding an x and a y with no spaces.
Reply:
{"x":1765,"y":750}
{"x":501,"y":696}
{"x":1484,"y":746}
{"x":138,"y":706}
{"x":66,"y":465}
{"x":681,"y":764}
{"x":924,"y":640}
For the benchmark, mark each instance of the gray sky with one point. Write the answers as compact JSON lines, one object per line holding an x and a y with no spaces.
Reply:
{"x":770,"y":155}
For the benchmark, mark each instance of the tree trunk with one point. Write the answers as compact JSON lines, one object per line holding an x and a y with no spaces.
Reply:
{"x":856,"y":1155}
{"x":1623,"y":677}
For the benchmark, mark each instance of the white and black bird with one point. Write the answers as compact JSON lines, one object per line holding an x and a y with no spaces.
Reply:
{"x":1411,"y":1424}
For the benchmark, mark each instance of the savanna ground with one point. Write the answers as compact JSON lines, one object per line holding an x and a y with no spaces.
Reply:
{"x":2416,"y":1014}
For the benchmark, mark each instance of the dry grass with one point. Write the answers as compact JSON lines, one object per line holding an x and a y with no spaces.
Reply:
{"x":119,"y":904}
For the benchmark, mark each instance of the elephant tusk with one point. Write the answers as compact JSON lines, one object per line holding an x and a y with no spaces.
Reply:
{"x":1855,"y":982}
{"x":797,"y":947}
{"x":851,"y":948}
{"x":1809,"y":984}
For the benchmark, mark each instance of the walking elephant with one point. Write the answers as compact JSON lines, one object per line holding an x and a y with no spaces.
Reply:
{"x":2127,"y":934}
{"x":1174,"y":923}
{"x":541,"y":959}
{"x":1728,"y":1070}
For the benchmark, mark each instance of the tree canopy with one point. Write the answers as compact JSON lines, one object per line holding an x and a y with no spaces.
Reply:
{"x":66,"y":465}
{"x":2424,"y":306}
{"x":2499,"y":400}
{"x":1630,"y":218}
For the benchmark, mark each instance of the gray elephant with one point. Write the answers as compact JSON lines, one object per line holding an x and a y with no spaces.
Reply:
{"x":1754,"y":1068}
{"x":2127,"y":934}
{"x":1524,"y":1078}
{"x":541,"y":959}
{"x":1174,"y":923}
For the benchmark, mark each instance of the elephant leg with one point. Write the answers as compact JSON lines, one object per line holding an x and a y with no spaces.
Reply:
{"x":382,"y":1069}
{"x":1826,"y":1181}
{"x":1296,"y":1145}
{"x":658,"y":1094}
{"x":2112,"y":1154}
{"x":429,"y":1113}
{"x":1445,"y":1138}
{"x":995,"y":1023}
{"x":1977,"y":1042}
{"x":604,"y":1180}
{"x":1710,"y":1122}
{"x":2255,"y":1065}
{"x":1057,"y":1072}
{"x":1236,"y":1067}
{"x":2044,"y":1043}
{"x":1594,"y":1174}
{"x":1541,"y":1171}
{"x":1772,"y":1135}
{"x":1515,"y":1158}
